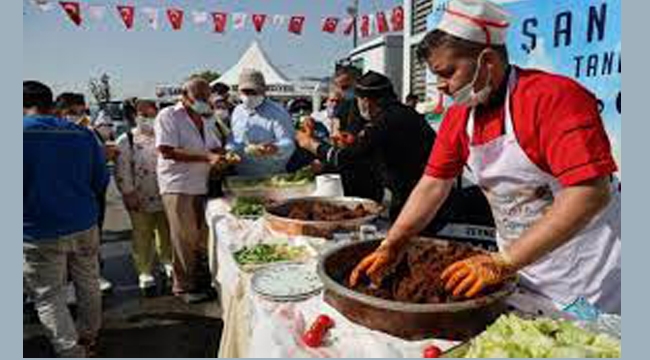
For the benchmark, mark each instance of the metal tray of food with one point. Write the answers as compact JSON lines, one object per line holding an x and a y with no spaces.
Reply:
{"x":279,"y":218}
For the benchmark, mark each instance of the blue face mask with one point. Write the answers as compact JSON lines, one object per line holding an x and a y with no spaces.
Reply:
{"x":349,"y":94}
{"x":202,"y":108}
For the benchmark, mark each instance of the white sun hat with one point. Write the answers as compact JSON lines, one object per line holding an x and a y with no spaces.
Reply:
{"x":479,"y":21}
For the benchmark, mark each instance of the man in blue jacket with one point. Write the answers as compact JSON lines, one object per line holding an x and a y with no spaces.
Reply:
{"x":63,"y":174}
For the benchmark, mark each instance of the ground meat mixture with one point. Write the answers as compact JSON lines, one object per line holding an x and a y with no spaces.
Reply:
{"x":416,"y":278}
{"x":321,"y":211}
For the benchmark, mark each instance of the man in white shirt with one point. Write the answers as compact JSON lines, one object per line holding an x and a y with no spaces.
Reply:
{"x":189,"y":146}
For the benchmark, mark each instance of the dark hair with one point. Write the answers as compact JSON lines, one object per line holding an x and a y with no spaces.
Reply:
{"x":465,"y":48}
{"x":38,"y":95}
{"x":412,"y":96}
{"x":220,"y":88}
{"x":347,"y":70}
{"x":67,"y":100}
{"x":145,"y":102}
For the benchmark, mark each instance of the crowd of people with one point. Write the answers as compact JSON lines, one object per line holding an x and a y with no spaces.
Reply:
{"x":170,"y":160}
{"x":534,"y":142}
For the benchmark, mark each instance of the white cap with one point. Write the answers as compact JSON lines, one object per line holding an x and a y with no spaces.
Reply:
{"x":479,"y":21}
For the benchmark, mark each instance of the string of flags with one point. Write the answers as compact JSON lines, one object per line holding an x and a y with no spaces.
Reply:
{"x":368,"y":24}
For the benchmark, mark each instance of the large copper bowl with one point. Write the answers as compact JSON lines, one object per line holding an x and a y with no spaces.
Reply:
{"x":278,"y":221}
{"x":455,"y":321}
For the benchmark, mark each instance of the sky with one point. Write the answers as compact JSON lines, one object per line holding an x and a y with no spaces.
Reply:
{"x":65,"y":57}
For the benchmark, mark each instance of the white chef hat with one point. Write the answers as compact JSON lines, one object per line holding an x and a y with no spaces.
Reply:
{"x":479,"y":21}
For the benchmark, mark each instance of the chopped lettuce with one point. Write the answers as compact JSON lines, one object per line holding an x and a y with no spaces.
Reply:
{"x":511,"y":336}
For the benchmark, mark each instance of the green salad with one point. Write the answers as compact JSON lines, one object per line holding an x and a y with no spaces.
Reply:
{"x":268,"y":253}
{"x":245,"y":206}
{"x":510,"y":336}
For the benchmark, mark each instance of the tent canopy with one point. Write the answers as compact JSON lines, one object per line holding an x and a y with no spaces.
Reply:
{"x":255,"y":58}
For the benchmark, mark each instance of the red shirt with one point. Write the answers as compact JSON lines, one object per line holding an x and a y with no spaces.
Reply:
{"x":556,"y":122}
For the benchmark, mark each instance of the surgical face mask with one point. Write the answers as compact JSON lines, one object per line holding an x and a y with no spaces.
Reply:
{"x":222,"y":114}
{"x":202,"y":108}
{"x":144,"y":124}
{"x":330,"y":109}
{"x":251,"y":102}
{"x":349,"y":94}
{"x":467,"y":95}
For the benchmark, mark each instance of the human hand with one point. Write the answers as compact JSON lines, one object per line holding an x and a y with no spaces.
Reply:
{"x":131,"y":201}
{"x":374,"y":265}
{"x":469,"y":276}
{"x":304,"y":139}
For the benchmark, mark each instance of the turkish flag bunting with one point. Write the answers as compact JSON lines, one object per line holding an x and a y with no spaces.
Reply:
{"x":382,"y":23}
{"x":330,"y":24}
{"x":397,"y":19}
{"x":73,"y":10}
{"x":296,"y":23}
{"x":127,"y":13}
{"x":365,"y":25}
{"x":220,"y":20}
{"x":175,"y":17}
{"x":258,"y":21}
{"x":348,"y":26}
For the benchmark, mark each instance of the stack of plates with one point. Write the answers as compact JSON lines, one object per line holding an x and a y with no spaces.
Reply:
{"x":286,"y":281}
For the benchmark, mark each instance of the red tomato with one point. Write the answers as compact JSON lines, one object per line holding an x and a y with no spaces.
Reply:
{"x":324,"y":321}
{"x":313,"y":338}
{"x":431,"y":351}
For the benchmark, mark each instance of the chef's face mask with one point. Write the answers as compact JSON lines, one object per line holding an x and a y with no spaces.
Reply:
{"x":466,"y":95}
{"x":251,"y":102}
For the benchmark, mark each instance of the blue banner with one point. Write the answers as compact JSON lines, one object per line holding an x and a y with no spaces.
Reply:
{"x":578,"y":38}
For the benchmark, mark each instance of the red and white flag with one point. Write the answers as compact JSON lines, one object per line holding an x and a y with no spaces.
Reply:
{"x":278,"y":20}
{"x":96,"y":12}
{"x":175,"y":17}
{"x":151,"y":15}
{"x":397,"y":19}
{"x":365,"y":26}
{"x":220,"y":20}
{"x":127,"y":13}
{"x":258,"y":21}
{"x":348,"y":26}
{"x":73,"y":10}
{"x":296,"y":24}
{"x":382,"y":23}
{"x":330,"y":24}
{"x":239,"y":20}
{"x":199,"y":17}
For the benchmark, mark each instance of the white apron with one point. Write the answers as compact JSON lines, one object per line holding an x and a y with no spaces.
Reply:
{"x":519,"y":192}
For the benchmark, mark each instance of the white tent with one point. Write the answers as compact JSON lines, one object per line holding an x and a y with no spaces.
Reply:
{"x":255,"y":58}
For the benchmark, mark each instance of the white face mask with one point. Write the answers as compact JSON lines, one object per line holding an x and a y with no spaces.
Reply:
{"x":202,"y":108}
{"x":222,"y":114}
{"x":144,"y":124}
{"x":467,"y":95}
{"x":251,"y":102}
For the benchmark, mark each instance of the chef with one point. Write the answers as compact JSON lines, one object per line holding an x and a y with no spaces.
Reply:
{"x":536,"y":145}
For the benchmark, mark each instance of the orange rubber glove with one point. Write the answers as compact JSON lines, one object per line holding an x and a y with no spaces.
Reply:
{"x":373,"y":265}
{"x":468,"y":277}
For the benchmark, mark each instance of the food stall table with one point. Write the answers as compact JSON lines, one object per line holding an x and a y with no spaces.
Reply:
{"x":257,"y":327}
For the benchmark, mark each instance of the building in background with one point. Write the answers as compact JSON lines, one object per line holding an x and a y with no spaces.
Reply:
{"x":414,"y":75}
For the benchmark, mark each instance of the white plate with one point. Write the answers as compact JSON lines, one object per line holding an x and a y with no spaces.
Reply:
{"x":286,"y":281}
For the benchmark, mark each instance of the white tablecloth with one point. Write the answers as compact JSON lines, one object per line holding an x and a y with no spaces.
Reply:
{"x":256,"y":327}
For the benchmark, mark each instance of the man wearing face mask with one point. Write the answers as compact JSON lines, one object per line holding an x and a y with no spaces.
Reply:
{"x":188,"y":147}
{"x":135,"y":176}
{"x":72,"y":106}
{"x":536,"y":145}
{"x":262,"y":130}
{"x":395,"y":135}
